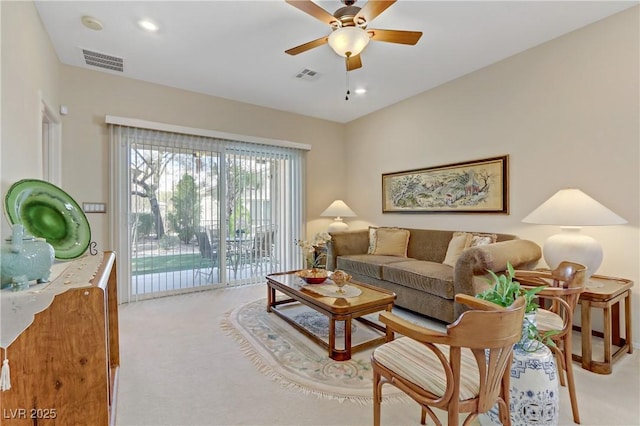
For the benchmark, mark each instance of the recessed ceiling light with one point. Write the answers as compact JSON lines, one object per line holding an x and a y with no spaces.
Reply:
{"x":360,"y":91}
{"x":147,"y":25}
{"x":91,"y":23}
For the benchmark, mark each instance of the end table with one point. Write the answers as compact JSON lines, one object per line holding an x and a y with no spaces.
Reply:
{"x":606,"y":293}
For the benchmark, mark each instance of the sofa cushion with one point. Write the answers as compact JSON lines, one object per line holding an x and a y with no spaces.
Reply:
{"x":459,"y":241}
{"x":369,"y":265}
{"x":372,"y":239}
{"x":431,"y":277}
{"x":391,"y":242}
{"x":428,"y":245}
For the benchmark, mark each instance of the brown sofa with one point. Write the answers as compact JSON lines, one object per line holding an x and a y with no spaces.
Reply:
{"x":421,"y":281}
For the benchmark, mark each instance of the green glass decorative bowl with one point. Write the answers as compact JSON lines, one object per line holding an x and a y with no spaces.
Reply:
{"x":48,"y":212}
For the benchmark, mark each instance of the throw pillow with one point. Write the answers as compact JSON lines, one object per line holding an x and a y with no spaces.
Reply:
{"x":459,"y":242}
{"x":372,"y":239}
{"x":478,"y":239}
{"x":391,"y":242}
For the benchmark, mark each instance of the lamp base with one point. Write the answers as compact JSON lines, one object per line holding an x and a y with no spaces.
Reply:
{"x":573,"y":246}
{"x":338,"y":226}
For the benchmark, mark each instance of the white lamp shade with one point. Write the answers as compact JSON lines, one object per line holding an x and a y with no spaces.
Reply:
{"x":571,"y":209}
{"x":351,"y":40}
{"x":337,"y":210}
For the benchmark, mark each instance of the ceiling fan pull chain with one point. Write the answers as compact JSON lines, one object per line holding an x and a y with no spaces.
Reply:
{"x":346,"y":98}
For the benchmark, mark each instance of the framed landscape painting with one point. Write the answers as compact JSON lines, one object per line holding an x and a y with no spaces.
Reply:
{"x":479,"y":186}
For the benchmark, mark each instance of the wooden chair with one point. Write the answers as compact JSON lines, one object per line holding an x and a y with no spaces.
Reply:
{"x":463,"y":370}
{"x":565,"y":283}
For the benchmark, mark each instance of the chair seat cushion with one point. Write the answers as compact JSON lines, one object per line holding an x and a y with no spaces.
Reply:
{"x":412,"y":360}
{"x":547,"y":320}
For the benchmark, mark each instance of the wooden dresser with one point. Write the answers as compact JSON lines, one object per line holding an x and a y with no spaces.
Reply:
{"x":63,"y":364}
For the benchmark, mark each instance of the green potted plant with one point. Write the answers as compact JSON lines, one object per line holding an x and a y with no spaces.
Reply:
{"x":504,"y":291}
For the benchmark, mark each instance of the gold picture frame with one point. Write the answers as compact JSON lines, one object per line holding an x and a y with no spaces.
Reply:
{"x":479,"y":186}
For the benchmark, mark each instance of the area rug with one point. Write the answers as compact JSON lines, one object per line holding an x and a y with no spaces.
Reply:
{"x":291,"y":358}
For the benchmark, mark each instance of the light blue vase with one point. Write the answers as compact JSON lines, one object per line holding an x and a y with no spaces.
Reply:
{"x":24,"y":259}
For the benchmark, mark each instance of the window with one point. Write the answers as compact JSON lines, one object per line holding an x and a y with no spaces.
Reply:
{"x":199,"y":211}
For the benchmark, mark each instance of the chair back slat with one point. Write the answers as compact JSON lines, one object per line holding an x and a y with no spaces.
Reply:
{"x":488,"y":329}
{"x":490,"y":335}
{"x":569,"y":275}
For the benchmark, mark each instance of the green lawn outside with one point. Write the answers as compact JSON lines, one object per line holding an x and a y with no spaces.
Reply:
{"x":167,"y":263}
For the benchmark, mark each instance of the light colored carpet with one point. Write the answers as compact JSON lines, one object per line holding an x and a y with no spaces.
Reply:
{"x":291,"y":358}
{"x":179,"y":367}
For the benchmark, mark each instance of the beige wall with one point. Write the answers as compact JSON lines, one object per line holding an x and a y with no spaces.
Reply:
{"x":30,"y":75}
{"x":566,"y":112}
{"x":91,"y":95}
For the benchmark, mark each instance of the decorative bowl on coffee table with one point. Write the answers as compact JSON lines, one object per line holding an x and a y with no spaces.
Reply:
{"x":314,"y":280}
{"x":313,"y":276}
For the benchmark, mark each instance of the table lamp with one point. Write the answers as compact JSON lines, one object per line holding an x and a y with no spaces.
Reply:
{"x":571,"y":209}
{"x":338,"y":209}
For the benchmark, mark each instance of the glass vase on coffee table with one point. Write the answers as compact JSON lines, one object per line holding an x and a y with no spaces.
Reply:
{"x":340,"y":279}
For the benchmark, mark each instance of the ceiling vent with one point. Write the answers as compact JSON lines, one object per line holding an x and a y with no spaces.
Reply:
{"x":308,"y":75}
{"x":101,"y":60}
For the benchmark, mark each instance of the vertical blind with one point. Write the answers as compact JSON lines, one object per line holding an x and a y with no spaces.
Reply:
{"x":195,"y":211}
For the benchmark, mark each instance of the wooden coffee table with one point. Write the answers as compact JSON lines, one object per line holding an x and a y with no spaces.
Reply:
{"x":371,"y":300}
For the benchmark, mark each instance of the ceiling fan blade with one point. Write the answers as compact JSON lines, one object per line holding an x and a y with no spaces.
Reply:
{"x":307,"y":46}
{"x":395,"y":36}
{"x":353,"y":63}
{"x":372,"y":9}
{"x":313,"y":9}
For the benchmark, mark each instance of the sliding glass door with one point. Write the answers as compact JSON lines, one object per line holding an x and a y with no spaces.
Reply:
{"x":205,"y":212}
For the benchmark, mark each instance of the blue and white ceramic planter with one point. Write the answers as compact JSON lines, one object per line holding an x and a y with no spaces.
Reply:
{"x":534,"y":388}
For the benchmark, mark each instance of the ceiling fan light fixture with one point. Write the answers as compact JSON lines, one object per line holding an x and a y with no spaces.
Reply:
{"x":348,"y":41}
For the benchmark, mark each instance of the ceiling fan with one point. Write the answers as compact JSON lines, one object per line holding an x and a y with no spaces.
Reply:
{"x":350,"y":34}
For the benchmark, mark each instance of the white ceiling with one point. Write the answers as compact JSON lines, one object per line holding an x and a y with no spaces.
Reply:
{"x":235,"y":49}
